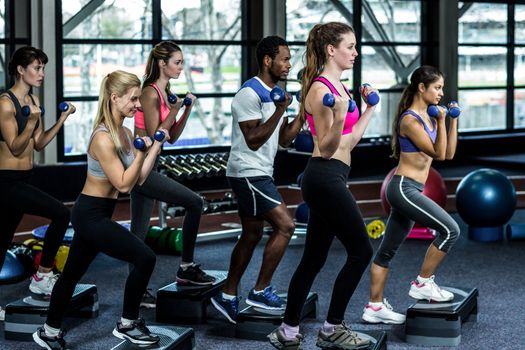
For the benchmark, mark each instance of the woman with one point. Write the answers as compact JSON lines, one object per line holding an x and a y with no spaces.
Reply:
{"x":330,"y":50}
{"x":20,"y":135}
{"x":113,"y":166}
{"x":165,"y":62}
{"x":417,"y":139}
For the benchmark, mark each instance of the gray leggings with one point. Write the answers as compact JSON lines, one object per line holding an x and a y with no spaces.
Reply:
{"x":409,"y":205}
{"x":165,"y":189}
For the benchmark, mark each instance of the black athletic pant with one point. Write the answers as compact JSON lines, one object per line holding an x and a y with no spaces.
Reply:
{"x":17,"y":197}
{"x":333,"y":213}
{"x":165,"y":189}
{"x":95,"y":232}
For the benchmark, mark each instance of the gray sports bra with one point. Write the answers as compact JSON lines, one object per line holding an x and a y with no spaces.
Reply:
{"x":93,"y":165}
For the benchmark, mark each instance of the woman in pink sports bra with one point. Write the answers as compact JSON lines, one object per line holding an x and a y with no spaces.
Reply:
{"x":165,"y":62}
{"x":330,"y":50}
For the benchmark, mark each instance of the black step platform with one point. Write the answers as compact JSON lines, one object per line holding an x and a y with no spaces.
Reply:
{"x":24,"y":316}
{"x":255,"y":324}
{"x":377,"y":339}
{"x":171,"y":338}
{"x":187,"y":304}
{"x":439,"y":324}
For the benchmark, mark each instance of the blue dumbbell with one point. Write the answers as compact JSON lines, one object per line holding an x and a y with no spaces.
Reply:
{"x":433,"y":110}
{"x":26,"y":111}
{"x":158,"y":136}
{"x":173,"y":99}
{"x":454,"y":112}
{"x":277,"y":94}
{"x":64,"y":106}
{"x":372,"y":98}
{"x":329,"y":101}
{"x":140,"y":144}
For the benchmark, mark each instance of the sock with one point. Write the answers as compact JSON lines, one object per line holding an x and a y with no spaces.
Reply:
{"x":421,"y":279}
{"x":328,"y":327}
{"x":289,"y":331}
{"x":43,"y":274}
{"x":258,"y":291}
{"x":125,"y":322}
{"x":228,"y":296}
{"x":377,"y":304}
{"x":185,"y":265}
{"x":50,"y":331}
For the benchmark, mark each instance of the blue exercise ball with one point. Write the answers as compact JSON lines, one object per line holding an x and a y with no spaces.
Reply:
{"x":12,"y":270}
{"x":304,"y":142}
{"x":302,"y":213}
{"x":486,"y":198}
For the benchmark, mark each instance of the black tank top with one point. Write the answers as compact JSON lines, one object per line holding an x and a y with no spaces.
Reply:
{"x":21,"y":120}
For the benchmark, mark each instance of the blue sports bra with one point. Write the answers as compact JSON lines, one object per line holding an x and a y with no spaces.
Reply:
{"x":405,"y":144}
{"x":93,"y":165}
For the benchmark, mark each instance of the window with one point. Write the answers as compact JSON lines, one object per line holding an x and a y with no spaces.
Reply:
{"x":97,"y":38}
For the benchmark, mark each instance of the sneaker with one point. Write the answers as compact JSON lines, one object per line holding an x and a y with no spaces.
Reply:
{"x":280,"y":341}
{"x":43,"y":286}
{"x":267,"y":299}
{"x":149,"y":301}
{"x":137,"y":333}
{"x":429,"y":290}
{"x":194,"y":275}
{"x":382,"y":314}
{"x":229,"y":308}
{"x":342,"y":338}
{"x":2,"y":314}
{"x":50,"y":343}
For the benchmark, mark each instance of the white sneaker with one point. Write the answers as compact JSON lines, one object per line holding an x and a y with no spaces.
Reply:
{"x":429,"y":290}
{"x":382,"y":314}
{"x":2,"y":314}
{"x":43,"y":284}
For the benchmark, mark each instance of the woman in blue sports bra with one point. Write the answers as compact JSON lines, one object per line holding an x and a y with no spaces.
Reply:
{"x":417,"y":139}
{"x":330,"y":50}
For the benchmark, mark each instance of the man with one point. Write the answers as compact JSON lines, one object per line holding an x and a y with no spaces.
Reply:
{"x":259,"y":127}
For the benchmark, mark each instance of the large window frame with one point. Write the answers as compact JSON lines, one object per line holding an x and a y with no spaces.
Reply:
{"x":244,"y":45}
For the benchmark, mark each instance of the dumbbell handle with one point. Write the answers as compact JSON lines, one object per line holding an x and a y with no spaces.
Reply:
{"x":372,"y":98}
{"x":329,"y":101}
{"x":173,"y":99}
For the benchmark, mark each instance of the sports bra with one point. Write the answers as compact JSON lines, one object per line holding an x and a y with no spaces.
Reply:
{"x":351,"y":117}
{"x":21,"y":120}
{"x":93,"y":165}
{"x":405,"y":144}
{"x":164,"y":111}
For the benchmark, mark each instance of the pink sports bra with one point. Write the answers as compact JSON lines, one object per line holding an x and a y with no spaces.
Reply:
{"x":164,"y":111}
{"x":351,"y":117}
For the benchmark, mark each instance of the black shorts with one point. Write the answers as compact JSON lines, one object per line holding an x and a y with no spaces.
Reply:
{"x":256,"y":195}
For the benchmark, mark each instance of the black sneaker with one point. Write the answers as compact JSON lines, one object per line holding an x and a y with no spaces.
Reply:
{"x":194,"y":275}
{"x":49,"y":343}
{"x":137,"y":333}
{"x":149,"y":301}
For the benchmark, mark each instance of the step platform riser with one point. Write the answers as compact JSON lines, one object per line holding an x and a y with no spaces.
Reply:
{"x":171,"y":338}
{"x":439,"y":324}
{"x":187,"y":304}
{"x":23,"y":319}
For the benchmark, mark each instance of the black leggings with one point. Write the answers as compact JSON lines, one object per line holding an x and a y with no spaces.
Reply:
{"x":95,"y":232}
{"x":333,"y":213}
{"x":165,"y":189}
{"x":17,"y":197}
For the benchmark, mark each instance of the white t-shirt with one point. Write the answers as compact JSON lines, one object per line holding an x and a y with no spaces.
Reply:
{"x":252,"y":102}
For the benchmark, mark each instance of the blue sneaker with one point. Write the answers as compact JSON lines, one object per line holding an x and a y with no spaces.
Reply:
{"x":267,"y":299}
{"x":229,"y":308}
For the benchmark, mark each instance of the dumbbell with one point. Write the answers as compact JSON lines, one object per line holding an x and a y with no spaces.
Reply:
{"x":175,"y":172}
{"x":26,"y":111}
{"x":197,"y":160}
{"x":214,"y":169}
{"x":433,"y":111}
{"x":64,"y":106}
{"x":199,"y":169}
{"x":372,"y":98}
{"x":329,"y":101}
{"x":173,"y":99}
{"x":190,"y":171}
{"x":140,"y":144}
{"x":278,"y":95}
{"x":176,"y":164}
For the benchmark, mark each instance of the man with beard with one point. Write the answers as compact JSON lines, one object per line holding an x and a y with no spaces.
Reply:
{"x":259,"y":127}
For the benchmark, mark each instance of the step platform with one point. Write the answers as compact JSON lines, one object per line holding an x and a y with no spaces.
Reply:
{"x":24,"y":316}
{"x":180,"y":304}
{"x":171,"y":338}
{"x":255,"y":323}
{"x":377,"y":339}
{"x":439,"y":324}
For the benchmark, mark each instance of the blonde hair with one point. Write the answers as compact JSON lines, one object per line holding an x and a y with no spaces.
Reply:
{"x":118,"y":83}
{"x":320,"y":36}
